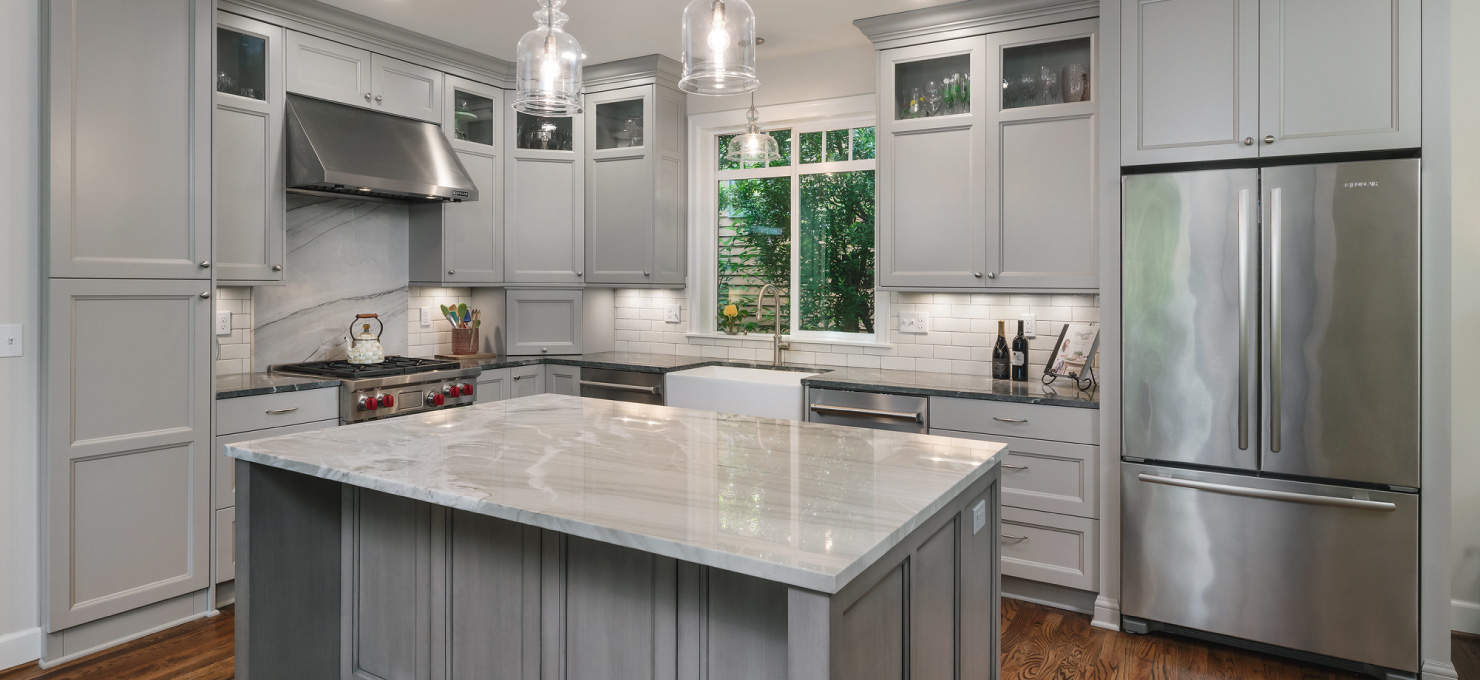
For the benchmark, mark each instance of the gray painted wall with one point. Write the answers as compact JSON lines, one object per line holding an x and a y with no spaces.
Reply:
{"x":1465,"y":164}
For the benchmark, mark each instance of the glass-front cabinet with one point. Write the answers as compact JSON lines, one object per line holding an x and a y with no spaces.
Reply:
{"x":472,"y":115}
{"x":462,"y":243}
{"x":248,"y":203}
{"x":1056,"y":71}
{"x":544,"y":186}
{"x":619,"y":124}
{"x":927,"y":88}
{"x":541,"y":133}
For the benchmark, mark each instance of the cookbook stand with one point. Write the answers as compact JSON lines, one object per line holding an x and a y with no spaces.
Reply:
{"x":1085,"y":382}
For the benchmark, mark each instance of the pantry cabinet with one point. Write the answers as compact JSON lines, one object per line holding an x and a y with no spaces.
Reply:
{"x":544,"y":194}
{"x":247,"y":170}
{"x":463,"y":243}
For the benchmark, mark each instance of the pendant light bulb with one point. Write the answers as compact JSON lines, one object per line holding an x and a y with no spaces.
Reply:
{"x":718,"y":47}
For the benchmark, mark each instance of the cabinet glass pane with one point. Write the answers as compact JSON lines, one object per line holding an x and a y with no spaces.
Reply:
{"x":619,"y":124}
{"x":472,"y":119}
{"x":242,"y":63}
{"x":932,"y":87}
{"x":539,"y":132}
{"x":1046,"y":73}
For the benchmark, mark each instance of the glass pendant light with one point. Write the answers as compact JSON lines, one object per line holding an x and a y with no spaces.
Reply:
{"x":548,"y":76}
{"x":718,"y":48}
{"x":754,"y":146}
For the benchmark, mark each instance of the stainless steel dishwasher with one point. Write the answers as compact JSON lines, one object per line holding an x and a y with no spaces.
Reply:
{"x":898,"y":412}
{"x":634,"y":386}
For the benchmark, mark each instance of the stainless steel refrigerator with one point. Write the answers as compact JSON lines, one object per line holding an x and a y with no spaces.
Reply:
{"x":1270,"y":424}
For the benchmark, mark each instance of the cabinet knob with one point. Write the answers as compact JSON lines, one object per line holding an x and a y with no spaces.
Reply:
{"x":976,"y":274}
{"x":450,"y":272}
{"x":1268,"y":139}
{"x":205,"y":294}
{"x":1248,"y":141}
{"x":544,"y":349}
{"x":646,"y":273}
{"x":277,"y":267}
{"x":205,"y":264}
{"x":991,"y":275}
{"x":579,"y":274}
{"x":367,"y":96}
{"x":379,"y":99}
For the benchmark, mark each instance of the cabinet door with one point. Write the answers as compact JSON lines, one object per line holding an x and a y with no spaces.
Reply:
{"x":543,"y":321}
{"x":526,"y":380}
{"x":128,"y":450}
{"x":472,"y":231}
{"x":1339,"y":75}
{"x":225,"y":539}
{"x":327,"y":70}
{"x":1042,"y":145}
{"x":563,"y":380}
{"x":130,"y":138}
{"x":493,"y":386}
{"x":247,"y":198}
{"x":932,"y":169}
{"x":1189,"y":85}
{"x":544,"y":200}
{"x":619,"y":186}
{"x":388,"y":586}
{"x":406,"y":89}
{"x":472,"y":116}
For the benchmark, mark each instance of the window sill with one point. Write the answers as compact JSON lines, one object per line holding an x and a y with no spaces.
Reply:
{"x":766,"y":338}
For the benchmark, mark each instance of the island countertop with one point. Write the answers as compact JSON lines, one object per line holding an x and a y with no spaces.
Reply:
{"x":805,"y":504}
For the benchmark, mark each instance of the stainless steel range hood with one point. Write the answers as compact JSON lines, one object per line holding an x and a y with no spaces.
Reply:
{"x":338,"y":149}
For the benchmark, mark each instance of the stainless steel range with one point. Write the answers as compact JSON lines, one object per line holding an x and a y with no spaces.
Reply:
{"x":396,"y":387}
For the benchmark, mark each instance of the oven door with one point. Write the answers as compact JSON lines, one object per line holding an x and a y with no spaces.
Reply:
{"x":641,"y":388}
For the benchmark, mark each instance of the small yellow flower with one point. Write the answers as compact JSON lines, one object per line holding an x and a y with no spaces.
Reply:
{"x":731,"y":310}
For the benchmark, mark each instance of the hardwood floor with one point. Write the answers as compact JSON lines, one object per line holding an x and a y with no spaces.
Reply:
{"x":1037,"y":642}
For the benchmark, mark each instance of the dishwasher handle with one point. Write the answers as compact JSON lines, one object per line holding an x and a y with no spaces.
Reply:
{"x":912,"y":416}
{"x":1270,"y":494}
{"x":620,"y":387}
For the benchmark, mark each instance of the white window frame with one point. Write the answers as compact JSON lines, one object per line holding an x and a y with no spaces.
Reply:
{"x":704,"y":175}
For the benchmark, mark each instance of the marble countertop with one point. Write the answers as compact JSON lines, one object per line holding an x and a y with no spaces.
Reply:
{"x":1061,"y":393}
{"x":251,"y":384}
{"x":805,"y":504}
{"x":620,"y":361}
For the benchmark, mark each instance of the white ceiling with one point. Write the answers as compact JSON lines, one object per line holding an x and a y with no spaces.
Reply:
{"x":617,"y":29}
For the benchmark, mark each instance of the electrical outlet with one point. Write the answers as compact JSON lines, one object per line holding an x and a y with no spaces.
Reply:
{"x":426,"y":317}
{"x":672,"y":314}
{"x":913,"y":322}
{"x":1030,"y":324}
{"x":223,"y":323}
{"x":10,"y":340}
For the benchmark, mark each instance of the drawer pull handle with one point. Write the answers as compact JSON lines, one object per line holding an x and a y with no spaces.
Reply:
{"x":281,"y":411}
{"x":1009,"y":538}
{"x":914,"y":416}
{"x":1010,"y":466}
{"x":1271,"y":494}
{"x":645,"y":389}
{"x":1000,"y":419}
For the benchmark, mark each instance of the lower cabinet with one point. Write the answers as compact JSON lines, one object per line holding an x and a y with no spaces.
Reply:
{"x":1049,"y":547}
{"x":526,"y":380}
{"x":563,"y":380}
{"x":493,"y":385}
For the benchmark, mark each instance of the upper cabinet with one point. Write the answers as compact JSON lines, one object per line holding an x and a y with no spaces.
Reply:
{"x":463,"y":243}
{"x":1227,"y":79}
{"x":128,"y":160}
{"x":337,"y":72}
{"x":248,"y":200}
{"x":544,"y":195}
{"x":635,"y":198}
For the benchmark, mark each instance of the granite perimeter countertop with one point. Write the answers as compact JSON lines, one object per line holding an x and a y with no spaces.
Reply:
{"x":252,"y":384}
{"x":806,"y":504}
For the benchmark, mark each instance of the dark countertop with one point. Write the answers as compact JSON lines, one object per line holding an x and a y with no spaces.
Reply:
{"x":252,"y":384}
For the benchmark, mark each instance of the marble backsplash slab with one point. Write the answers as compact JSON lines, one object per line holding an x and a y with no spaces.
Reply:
{"x":345,"y":257}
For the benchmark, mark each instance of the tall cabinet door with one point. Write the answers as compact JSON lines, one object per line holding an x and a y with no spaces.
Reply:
{"x":472,"y":232}
{"x":247,"y":168}
{"x":932,"y":168}
{"x":1042,"y":148}
{"x":129,"y":154}
{"x":544,"y":196}
{"x":1339,"y":75}
{"x":128,"y":445}
{"x":328,"y":70}
{"x":619,"y":186}
{"x":1190,"y":80}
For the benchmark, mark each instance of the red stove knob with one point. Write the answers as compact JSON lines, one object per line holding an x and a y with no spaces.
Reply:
{"x":438,"y":400}
{"x":368,"y":403}
{"x":453,"y":390}
{"x":468,"y":389}
{"x":386,"y":400}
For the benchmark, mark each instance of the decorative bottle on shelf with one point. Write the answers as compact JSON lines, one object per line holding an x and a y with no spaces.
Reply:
{"x":1020,"y":356}
{"x":1001,"y":357}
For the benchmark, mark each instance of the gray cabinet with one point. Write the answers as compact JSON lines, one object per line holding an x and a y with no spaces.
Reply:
{"x":635,"y":188}
{"x":128,"y":457}
{"x":492,"y":386}
{"x":563,"y":380}
{"x":926,"y":241}
{"x":248,"y":202}
{"x":387,"y":585}
{"x":540,"y":322}
{"x":1225,"y":79}
{"x":337,"y":72}
{"x":544,"y":194}
{"x":128,"y":159}
{"x":526,"y":380}
{"x":405,"y":89}
{"x":463,"y":243}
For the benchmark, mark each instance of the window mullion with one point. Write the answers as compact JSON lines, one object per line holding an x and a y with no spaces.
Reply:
{"x":796,"y":247}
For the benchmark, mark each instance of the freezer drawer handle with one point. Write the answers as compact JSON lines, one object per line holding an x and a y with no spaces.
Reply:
{"x":281,"y":411}
{"x":1269,"y":494}
{"x":855,"y":411}
{"x":1000,"y":419}
{"x":1009,"y":538}
{"x":1010,"y":466}
{"x":645,"y":389}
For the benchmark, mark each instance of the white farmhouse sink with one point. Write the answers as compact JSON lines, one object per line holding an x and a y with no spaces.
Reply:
{"x":745,"y":391}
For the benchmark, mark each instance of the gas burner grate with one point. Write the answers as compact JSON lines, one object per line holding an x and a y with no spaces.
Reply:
{"x":391,"y":366}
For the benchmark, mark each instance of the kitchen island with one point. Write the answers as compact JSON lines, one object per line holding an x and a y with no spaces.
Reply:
{"x":554,"y":537}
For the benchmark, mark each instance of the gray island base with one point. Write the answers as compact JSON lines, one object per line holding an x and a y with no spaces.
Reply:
{"x":560,"y":538}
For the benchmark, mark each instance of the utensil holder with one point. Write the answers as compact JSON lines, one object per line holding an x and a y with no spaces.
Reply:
{"x":464,"y":341}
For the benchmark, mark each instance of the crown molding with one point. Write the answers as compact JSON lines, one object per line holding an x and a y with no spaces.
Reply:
{"x":972,"y":17}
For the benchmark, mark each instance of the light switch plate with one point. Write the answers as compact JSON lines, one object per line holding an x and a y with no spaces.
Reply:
{"x":426,"y":317}
{"x":223,"y":323}
{"x":1030,"y":324}
{"x":978,"y":517}
{"x":913,"y":322}
{"x":10,"y":340}
{"x":672,"y":313}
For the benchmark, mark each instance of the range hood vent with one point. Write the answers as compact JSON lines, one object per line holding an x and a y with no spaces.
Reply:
{"x":338,"y":149}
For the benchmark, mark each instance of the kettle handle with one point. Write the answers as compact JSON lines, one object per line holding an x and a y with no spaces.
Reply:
{"x":378,"y":332}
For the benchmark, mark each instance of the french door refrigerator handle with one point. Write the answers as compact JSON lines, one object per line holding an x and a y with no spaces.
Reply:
{"x":1270,"y":494}
{"x":1243,"y":319}
{"x":1276,"y":324}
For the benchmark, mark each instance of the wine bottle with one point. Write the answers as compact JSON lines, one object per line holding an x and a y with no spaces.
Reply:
{"x":1020,"y":356}
{"x":1001,"y":358}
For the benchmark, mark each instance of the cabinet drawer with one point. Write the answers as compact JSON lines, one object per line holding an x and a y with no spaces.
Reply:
{"x":275,"y":410}
{"x":1058,"y":423}
{"x":225,"y":545}
{"x":223,"y":469}
{"x":1046,"y":475}
{"x":1058,"y":549}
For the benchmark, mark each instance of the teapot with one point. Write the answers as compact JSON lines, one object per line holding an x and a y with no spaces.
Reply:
{"x":365,"y":348}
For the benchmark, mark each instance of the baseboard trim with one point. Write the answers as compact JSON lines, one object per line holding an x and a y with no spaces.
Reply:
{"x":1048,"y":595}
{"x":52,"y":663}
{"x":20,"y":647}
{"x":1107,"y":614}
{"x":1438,"y":670}
{"x":1464,"y":616}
